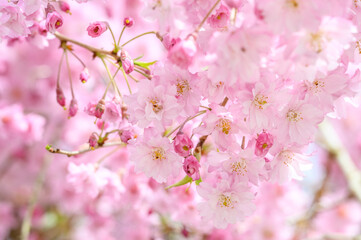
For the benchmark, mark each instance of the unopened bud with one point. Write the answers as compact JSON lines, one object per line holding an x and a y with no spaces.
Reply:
{"x":100,"y":108}
{"x":191,"y":167}
{"x":84,"y":75}
{"x":64,"y":6}
{"x":182,"y":144}
{"x":73,"y":108}
{"x":127,"y":62}
{"x":60,"y":98}
{"x":93,"y":140}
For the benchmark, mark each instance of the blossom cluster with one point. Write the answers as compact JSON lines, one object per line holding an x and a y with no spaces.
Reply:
{"x":229,"y":104}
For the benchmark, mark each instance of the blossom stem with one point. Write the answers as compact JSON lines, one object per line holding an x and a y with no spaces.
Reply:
{"x":59,"y":69}
{"x":111,"y":32}
{"x":111,"y":77}
{"x":136,"y":80}
{"x":188,"y":119}
{"x":145,"y":75}
{"x":69,"y":72}
{"x":73,"y":153}
{"x":206,"y":17}
{"x":151,"y":32}
{"x":126,"y":79}
{"x":120,"y":36}
{"x":88,"y":47}
{"x":108,"y":154}
{"x":76,"y":56}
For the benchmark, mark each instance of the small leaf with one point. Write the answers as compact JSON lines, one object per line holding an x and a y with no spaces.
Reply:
{"x":185,"y":180}
{"x":144,"y":64}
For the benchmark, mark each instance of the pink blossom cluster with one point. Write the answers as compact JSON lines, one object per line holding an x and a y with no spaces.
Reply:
{"x":202,"y":139}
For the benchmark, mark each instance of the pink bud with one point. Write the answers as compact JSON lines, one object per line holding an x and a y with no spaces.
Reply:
{"x":182,"y":53}
{"x":60,"y":98}
{"x":64,"y":6}
{"x":128,"y":21}
{"x":100,"y":108}
{"x":169,"y":42}
{"x":182,"y":144}
{"x":126,"y":135}
{"x":73,"y":108}
{"x":102,"y":124}
{"x":53,"y":21}
{"x":235,"y":3}
{"x":264,"y":142}
{"x":84,"y":75}
{"x":191,"y":167}
{"x":93,"y":140}
{"x":49,"y":8}
{"x":127,"y":62}
{"x":96,"y":29}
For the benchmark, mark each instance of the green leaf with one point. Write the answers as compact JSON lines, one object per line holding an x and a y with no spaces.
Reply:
{"x":48,"y":147}
{"x":144,"y":64}
{"x":198,"y":181}
{"x":185,"y":180}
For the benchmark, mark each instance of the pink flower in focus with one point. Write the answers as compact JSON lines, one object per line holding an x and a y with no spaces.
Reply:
{"x":96,"y":29}
{"x":53,"y":21}
{"x":127,"y":62}
{"x":128,"y":22}
{"x":264,"y":142}
{"x":226,"y":202}
{"x":191,"y":167}
{"x":182,"y":53}
{"x":154,"y":156}
{"x":84,"y":75}
{"x":221,"y":18}
{"x":60,"y":98}
{"x":182,"y":144}
{"x":73,"y":108}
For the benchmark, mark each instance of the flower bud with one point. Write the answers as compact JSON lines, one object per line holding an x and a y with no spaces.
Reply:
{"x":93,"y":140}
{"x":53,"y":21}
{"x":128,"y":22}
{"x":127,"y":62}
{"x":125,"y":135}
{"x":96,"y":29}
{"x":60,"y":98}
{"x":264,"y":142}
{"x":84,"y":75}
{"x":182,"y":144}
{"x":100,"y":108}
{"x":73,"y":108}
{"x":64,"y":6}
{"x":191,"y":167}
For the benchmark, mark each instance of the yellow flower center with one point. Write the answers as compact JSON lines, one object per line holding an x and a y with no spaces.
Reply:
{"x":239,"y":167}
{"x":156,"y":105}
{"x":259,"y":101}
{"x":158,"y":154}
{"x":225,"y":125}
{"x":294,"y":116}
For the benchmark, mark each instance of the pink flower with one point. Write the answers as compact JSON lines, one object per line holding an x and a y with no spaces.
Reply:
{"x":112,"y":111}
{"x":221,"y":18}
{"x":182,"y":144}
{"x":182,"y":53}
{"x":226,"y":202}
{"x":191,"y":167}
{"x":128,"y":22}
{"x":235,"y":3}
{"x":60,"y":98}
{"x":152,"y":104}
{"x":127,"y":62}
{"x":84,"y":75}
{"x":264,"y":142}
{"x":154,"y":156}
{"x":12,"y":22}
{"x":53,"y":21}
{"x":96,"y":29}
{"x":73,"y":108}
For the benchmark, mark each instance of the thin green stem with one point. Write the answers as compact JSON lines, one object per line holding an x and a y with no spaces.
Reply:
{"x":59,"y":69}
{"x":145,"y":75}
{"x":151,"y":32}
{"x":111,"y":77}
{"x":120,"y":36}
{"x":136,"y":80}
{"x":111,"y":32}
{"x":69,"y":72}
{"x":126,"y":79}
{"x":76,"y":56}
